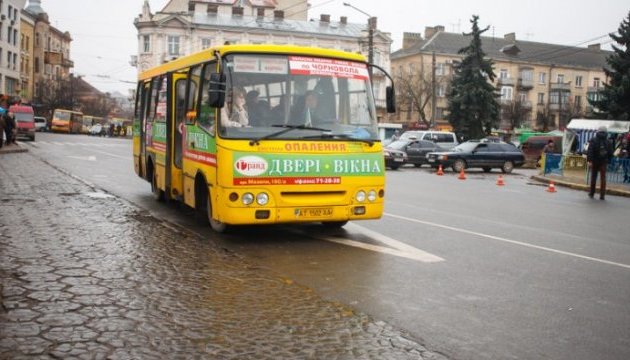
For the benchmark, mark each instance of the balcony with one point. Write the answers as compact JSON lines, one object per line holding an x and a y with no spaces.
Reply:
{"x":57,"y":58}
{"x":525,"y":84}
{"x":506,"y":81}
{"x":560,"y":86}
{"x":594,"y":89}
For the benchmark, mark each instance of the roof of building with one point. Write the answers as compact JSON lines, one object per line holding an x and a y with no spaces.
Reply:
{"x":35,"y":7}
{"x":446,"y":43}
{"x":332,"y":28}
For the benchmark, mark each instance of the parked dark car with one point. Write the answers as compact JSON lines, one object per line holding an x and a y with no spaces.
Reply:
{"x":395,"y":155}
{"x":479,"y":154}
{"x":417,"y":151}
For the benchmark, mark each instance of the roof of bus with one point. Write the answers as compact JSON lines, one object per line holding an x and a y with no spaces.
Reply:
{"x":208,"y":54}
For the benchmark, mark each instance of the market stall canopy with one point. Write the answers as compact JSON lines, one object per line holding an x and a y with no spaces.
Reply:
{"x":613,"y":126}
{"x":582,"y":130}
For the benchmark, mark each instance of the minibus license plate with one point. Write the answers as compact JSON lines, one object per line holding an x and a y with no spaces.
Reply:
{"x":314,"y":212}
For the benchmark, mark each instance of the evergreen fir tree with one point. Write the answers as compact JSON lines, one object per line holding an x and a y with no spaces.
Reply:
{"x":472,"y":99}
{"x":614,"y":102}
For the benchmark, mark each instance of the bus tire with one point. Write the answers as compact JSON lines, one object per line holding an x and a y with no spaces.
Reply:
{"x":158,"y":194}
{"x":334,"y":224}
{"x":216,"y":225}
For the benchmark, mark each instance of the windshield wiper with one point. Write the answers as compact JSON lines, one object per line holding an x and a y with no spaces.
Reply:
{"x":338,"y":136}
{"x":286,"y":129}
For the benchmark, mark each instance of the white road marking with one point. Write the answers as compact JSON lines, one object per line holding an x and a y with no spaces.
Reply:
{"x":395,"y":247}
{"x":85,"y":158}
{"x":112,"y":155}
{"x":515,"y":242}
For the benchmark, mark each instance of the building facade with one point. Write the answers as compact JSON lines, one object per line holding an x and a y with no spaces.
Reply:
{"x":10,"y":81}
{"x":539,"y":85}
{"x":51,"y":49}
{"x":184,"y":27}
{"x":27,"y":35}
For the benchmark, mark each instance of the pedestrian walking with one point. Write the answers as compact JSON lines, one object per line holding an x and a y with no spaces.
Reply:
{"x":1,"y":128}
{"x":9,"y":127}
{"x":600,"y":151}
{"x":624,"y":158}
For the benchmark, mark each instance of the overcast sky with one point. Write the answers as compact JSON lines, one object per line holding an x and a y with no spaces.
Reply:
{"x":104,"y":37}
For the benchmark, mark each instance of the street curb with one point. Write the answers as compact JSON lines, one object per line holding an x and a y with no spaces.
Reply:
{"x":13,"y":149}
{"x":582,"y":187}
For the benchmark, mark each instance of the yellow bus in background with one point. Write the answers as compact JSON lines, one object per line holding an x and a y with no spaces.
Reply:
{"x":67,"y":121}
{"x":263,"y":134}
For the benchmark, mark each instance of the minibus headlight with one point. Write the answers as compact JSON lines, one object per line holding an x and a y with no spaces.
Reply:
{"x":247,"y":199}
{"x":372,"y":196}
{"x":360,"y":197}
{"x":262,"y":199}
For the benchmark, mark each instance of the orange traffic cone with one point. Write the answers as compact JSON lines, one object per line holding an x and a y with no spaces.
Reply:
{"x":462,"y":175}
{"x":552,"y":187}
{"x":439,"y":172}
{"x":500,"y":181}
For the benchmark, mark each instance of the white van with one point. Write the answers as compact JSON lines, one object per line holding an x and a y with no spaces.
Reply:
{"x":445,"y":140}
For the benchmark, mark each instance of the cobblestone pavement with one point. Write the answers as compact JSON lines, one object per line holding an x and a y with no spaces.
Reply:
{"x":87,"y":275}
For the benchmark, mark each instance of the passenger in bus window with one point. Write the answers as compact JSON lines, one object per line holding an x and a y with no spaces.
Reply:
{"x":276,"y":116}
{"x":237,"y":116}
{"x":305,"y":110}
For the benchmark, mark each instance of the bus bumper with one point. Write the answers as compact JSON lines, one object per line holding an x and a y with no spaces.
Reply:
{"x":304,"y":214}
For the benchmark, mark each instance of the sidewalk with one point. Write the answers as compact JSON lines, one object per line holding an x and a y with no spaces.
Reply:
{"x":84,"y":274}
{"x":577,"y":181}
{"x":12,"y":148}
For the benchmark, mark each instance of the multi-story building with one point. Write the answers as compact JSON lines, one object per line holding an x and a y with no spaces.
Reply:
{"x":539,"y":85}
{"x":27,"y":34}
{"x":10,"y":82}
{"x":183,"y":27}
{"x":51,"y":49}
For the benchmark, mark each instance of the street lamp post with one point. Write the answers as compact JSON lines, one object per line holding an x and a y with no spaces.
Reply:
{"x":371,"y":28}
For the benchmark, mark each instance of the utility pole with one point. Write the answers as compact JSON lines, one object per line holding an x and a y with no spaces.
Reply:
{"x":433,"y":92}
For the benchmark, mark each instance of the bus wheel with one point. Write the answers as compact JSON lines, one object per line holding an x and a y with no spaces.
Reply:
{"x":334,"y":224}
{"x":158,"y":194}
{"x":216,"y":225}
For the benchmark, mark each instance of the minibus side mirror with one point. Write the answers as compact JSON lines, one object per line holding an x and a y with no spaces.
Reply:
{"x":216,"y":90}
{"x":390,"y":99}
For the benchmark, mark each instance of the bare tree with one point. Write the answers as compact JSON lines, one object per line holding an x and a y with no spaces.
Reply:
{"x":98,"y":106}
{"x":53,"y":94}
{"x":515,"y":113}
{"x":416,"y":92}
{"x":544,"y":120}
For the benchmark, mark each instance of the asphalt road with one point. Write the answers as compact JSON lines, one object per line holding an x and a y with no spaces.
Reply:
{"x":471,"y":269}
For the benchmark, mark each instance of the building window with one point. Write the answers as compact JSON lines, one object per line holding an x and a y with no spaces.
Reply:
{"x":146,"y":43}
{"x":503,"y":74}
{"x":578,"y":81}
{"x":36,"y":65}
{"x":554,"y":97}
{"x":439,"y":113}
{"x":542,"y":78}
{"x":14,"y":61}
{"x":522,"y":97}
{"x":578,"y":101}
{"x":541,"y":98}
{"x":441,"y":90}
{"x":596,"y":82}
{"x":440,"y":69}
{"x":506,"y":93}
{"x":527,"y":75}
{"x":560,"y":79}
{"x":173,"y":45}
{"x":206,"y":43}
